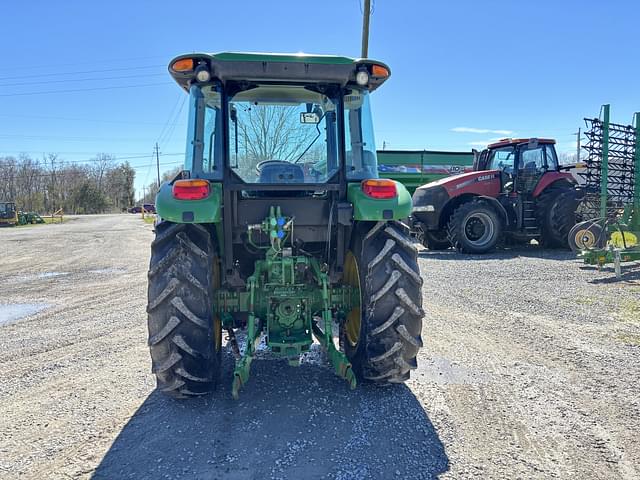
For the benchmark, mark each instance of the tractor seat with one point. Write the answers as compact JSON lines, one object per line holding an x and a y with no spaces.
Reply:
{"x":280,"y":171}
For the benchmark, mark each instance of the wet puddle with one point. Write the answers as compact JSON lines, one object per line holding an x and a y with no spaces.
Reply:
{"x":108,"y":271}
{"x":51,"y":274}
{"x":36,"y":276}
{"x":12,"y":312}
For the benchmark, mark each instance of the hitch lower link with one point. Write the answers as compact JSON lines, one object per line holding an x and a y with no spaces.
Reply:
{"x":341,"y":365}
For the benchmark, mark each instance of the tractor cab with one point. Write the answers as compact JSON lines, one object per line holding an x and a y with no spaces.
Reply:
{"x":522,"y":162}
{"x":8,"y":214}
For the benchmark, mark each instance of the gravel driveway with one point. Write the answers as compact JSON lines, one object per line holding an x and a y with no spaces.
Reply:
{"x":530,"y":369}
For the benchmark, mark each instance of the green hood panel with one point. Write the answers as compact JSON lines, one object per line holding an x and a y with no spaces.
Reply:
{"x":372,"y":209}
{"x":282,"y":57}
{"x":208,"y":210}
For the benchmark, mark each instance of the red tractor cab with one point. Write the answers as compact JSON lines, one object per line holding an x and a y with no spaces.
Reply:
{"x":517,"y":191}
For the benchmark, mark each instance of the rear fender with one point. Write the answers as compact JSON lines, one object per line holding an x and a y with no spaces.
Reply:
{"x":207,"y":210}
{"x":552,"y":178}
{"x":454,"y":203}
{"x":372,"y":209}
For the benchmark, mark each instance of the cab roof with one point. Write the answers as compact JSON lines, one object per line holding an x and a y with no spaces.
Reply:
{"x":273,"y":67}
{"x":518,"y":141}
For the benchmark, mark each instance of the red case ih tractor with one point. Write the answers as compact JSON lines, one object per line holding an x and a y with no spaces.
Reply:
{"x":517,"y":191}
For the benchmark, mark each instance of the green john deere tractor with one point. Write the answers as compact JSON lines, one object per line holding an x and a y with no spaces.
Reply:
{"x":279,"y":226}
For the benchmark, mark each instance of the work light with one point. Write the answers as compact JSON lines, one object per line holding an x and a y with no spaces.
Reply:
{"x":362,"y":77}
{"x":202,"y":73}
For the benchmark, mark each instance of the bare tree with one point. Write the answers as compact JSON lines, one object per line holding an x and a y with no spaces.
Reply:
{"x":101,"y":163}
{"x":269,"y":132}
{"x":50,"y":184}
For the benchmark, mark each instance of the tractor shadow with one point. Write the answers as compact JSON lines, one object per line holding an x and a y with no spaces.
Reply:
{"x":289,"y":423}
{"x":630,"y":274}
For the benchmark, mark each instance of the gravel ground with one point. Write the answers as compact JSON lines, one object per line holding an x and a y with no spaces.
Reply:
{"x":530,"y":370}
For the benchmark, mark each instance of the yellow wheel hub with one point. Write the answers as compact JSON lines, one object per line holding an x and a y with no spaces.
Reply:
{"x":354,"y":317}
{"x":217,"y":333}
{"x":217,"y":323}
{"x":585,"y":239}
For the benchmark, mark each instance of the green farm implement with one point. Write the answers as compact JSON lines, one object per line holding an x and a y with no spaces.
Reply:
{"x":279,"y":226}
{"x":610,"y":230}
{"x":26,"y":218}
{"x":414,"y":168}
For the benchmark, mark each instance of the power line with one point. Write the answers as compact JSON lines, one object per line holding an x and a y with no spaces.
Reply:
{"x":146,"y":178}
{"x":60,"y":74}
{"x":77,"y":119}
{"x":102,"y":61}
{"x":91,"y":160}
{"x":48,"y":82}
{"x":157,"y":152}
{"x":75,"y":152}
{"x":82,"y":90}
{"x":164,"y":129}
{"x":172,"y":127}
{"x":171,"y":113}
{"x":73,"y":139}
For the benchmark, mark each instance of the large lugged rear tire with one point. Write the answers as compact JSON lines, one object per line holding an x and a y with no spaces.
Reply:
{"x":556,"y":211}
{"x":436,"y":240}
{"x":382,"y":340}
{"x":184,"y":336}
{"x":474,"y":227}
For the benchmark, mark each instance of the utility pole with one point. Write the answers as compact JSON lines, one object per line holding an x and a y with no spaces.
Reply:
{"x":157,"y":152}
{"x":365,"y":28}
{"x":578,"y":144}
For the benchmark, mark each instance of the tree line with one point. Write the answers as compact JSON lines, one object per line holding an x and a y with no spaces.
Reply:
{"x":46,"y":185}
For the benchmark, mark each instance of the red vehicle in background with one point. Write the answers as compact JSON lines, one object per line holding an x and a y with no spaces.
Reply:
{"x":516,"y":191}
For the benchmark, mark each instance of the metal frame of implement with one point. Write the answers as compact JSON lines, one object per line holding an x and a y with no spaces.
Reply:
{"x":614,"y":167}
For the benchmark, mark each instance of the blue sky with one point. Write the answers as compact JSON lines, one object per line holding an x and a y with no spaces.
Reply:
{"x":463,"y":72}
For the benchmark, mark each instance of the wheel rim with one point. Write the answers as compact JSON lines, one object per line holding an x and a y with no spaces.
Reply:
{"x":353,"y":323}
{"x":478,"y":229}
{"x":585,"y":238}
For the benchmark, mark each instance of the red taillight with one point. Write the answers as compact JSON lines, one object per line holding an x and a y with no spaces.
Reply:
{"x":190,"y":189}
{"x":380,"y":188}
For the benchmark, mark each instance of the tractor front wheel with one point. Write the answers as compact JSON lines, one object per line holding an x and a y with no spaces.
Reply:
{"x":382,"y":335}
{"x":185,"y":338}
{"x":474,"y":227}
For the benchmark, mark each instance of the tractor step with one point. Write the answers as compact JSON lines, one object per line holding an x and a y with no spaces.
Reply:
{"x":529,"y":221}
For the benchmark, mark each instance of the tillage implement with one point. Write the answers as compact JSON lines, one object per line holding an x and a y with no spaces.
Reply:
{"x":610,"y":228}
